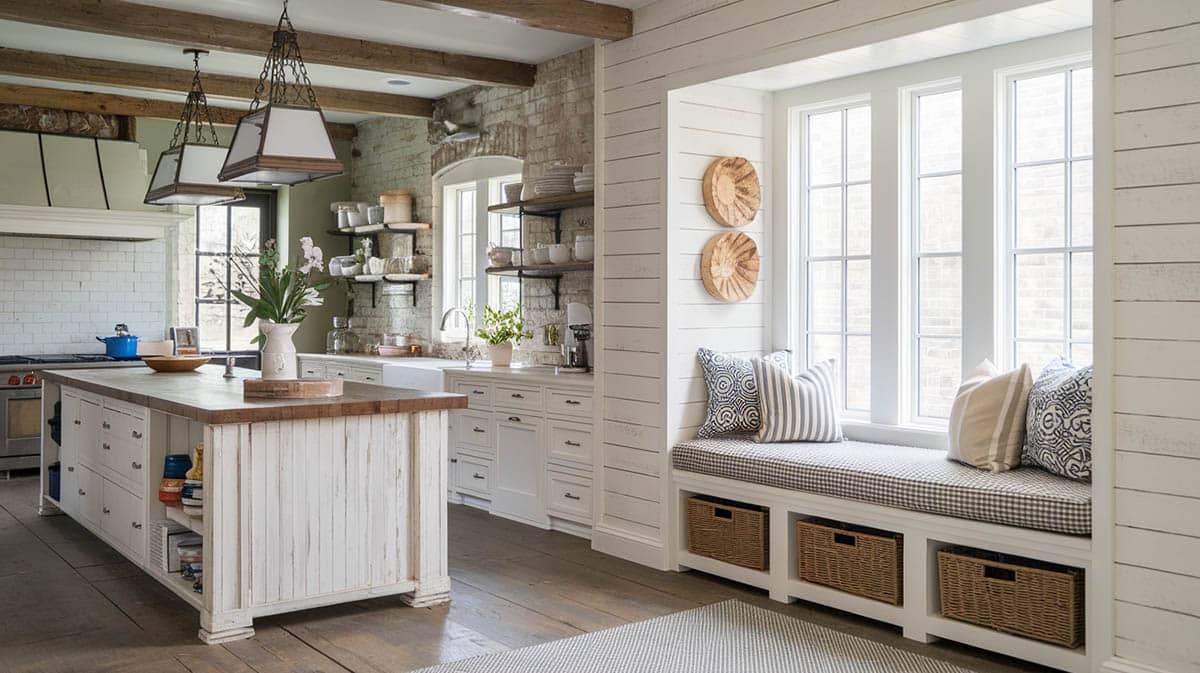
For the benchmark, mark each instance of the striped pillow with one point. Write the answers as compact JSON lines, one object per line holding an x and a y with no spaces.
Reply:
{"x":800,"y":409}
{"x":987,"y":421}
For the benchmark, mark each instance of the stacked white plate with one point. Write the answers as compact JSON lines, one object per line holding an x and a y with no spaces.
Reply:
{"x":557,"y":180}
{"x":585,"y":180}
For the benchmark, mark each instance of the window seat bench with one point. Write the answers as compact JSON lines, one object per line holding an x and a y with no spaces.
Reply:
{"x":916,"y":479}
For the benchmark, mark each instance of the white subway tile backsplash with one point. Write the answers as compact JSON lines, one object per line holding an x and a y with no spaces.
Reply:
{"x":57,"y":295}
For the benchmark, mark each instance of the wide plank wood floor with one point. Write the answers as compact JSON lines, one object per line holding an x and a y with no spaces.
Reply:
{"x":69,"y":603}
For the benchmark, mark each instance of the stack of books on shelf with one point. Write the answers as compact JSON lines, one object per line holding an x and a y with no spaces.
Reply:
{"x":192,"y":497}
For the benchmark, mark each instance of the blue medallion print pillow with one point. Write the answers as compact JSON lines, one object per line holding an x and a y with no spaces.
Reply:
{"x":1058,"y":421}
{"x":732,"y":392}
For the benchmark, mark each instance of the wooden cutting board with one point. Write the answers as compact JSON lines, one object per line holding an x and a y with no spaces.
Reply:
{"x":732,"y":193}
{"x":729,"y":266}
{"x":291,"y":388}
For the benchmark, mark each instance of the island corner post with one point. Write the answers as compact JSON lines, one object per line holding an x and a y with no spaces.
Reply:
{"x":306,"y":502}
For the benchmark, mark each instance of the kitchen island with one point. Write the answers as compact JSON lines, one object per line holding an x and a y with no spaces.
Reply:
{"x":305,"y":502}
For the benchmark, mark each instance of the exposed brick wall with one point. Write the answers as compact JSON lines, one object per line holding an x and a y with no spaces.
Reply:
{"x":67,"y":122}
{"x":547,"y":124}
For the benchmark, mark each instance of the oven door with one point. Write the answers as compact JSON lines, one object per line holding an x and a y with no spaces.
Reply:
{"x":20,"y":422}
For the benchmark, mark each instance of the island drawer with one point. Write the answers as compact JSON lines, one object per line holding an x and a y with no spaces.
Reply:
{"x":519,"y":398}
{"x":570,"y":441}
{"x":569,"y":403}
{"x":473,"y":428}
{"x":371,"y":375}
{"x":479,"y":395}
{"x":312,"y":370}
{"x":473,"y":475}
{"x":570,"y":496}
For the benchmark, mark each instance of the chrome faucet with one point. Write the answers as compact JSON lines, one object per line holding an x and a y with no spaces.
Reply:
{"x":470,"y":353}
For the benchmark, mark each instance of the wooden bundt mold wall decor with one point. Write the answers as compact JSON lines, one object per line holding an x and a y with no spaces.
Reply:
{"x":732,"y":193}
{"x":729,"y":266}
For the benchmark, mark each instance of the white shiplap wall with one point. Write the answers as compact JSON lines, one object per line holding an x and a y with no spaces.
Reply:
{"x":640,"y":412}
{"x":1156,"y":329}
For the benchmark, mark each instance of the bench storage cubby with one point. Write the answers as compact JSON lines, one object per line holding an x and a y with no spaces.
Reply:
{"x":858,"y":560}
{"x":728,"y":531}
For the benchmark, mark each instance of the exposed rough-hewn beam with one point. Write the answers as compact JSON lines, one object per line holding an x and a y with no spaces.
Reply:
{"x":129,"y":106}
{"x":578,"y":17}
{"x":156,"y":78}
{"x":188,"y":29}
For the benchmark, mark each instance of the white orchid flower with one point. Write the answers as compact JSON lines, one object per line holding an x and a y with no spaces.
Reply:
{"x":312,"y":298}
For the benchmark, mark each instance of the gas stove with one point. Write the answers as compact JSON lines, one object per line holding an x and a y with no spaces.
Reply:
{"x":20,"y":371}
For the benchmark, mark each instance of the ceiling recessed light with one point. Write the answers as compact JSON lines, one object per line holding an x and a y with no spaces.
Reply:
{"x":399,"y":82}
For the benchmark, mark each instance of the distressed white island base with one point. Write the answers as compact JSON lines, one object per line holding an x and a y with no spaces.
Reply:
{"x":306,"y":502}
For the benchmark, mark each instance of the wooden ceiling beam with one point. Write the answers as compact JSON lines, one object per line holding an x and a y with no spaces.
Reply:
{"x":188,"y":29}
{"x":577,"y":17}
{"x":155,"y":78}
{"x":129,"y":106}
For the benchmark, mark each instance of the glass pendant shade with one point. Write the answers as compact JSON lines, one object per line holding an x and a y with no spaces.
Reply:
{"x":282,"y":139}
{"x":187,"y":175}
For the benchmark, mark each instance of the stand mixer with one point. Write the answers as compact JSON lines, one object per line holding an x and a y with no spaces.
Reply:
{"x":579,"y":322}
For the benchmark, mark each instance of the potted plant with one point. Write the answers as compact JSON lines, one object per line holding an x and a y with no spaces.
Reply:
{"x":278,"y":296}
{"x":502,"y":330}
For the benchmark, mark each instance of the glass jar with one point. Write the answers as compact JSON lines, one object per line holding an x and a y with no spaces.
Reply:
{"x":340,"y":340}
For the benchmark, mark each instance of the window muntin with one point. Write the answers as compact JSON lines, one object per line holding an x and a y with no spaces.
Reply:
{"x":935,"y":254}
{"x":836,"y":244}
{"x":1048,"y":265}
{"x":222,"y":231}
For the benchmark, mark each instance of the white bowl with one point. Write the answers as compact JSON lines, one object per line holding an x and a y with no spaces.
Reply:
{"x":560,"y":253}
{"x":356,"y":218}
{"x":585,"y":251}
{"x":351,"y":270}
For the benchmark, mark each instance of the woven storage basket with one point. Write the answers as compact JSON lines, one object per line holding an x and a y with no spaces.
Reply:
{"x":860,"y":561}
{"x":1027,"y":598}
{"x":727,"y":531}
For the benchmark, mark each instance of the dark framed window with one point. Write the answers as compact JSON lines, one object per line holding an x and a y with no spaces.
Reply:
{"x":222,"y":231}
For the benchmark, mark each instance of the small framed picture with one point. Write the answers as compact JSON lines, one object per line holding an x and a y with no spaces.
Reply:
{"x":187,"y":340}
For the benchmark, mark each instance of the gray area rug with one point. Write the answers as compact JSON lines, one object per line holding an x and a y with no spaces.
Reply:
{"x":727,"y":637}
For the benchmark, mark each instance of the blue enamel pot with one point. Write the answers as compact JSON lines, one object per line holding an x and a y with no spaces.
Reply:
{"x":120,"y":347}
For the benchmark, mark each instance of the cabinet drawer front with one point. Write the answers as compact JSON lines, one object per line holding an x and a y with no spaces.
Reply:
{"x":479,"y":395}
{"x":338,"y":371}
{"x":473,"y":475}
{"x":90,"y":495}
{"x":570,"y":496}
{"x":312,"y":370}
{"x":473,"y":428}
{"x":569,"y":403}
{"x":571,"y":441}
{"x":369,"y":375}
{"x":121,"y":517}
{"x":519,"y":398}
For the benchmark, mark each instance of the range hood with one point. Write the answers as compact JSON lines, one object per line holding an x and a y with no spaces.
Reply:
{"x":72,"y":187}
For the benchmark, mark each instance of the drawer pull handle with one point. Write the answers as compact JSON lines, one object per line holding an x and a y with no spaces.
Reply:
{"x":71,"y":468}
{"x":77,"y":422}
{"x":136,"y":434}
{"x":477,"y":476}
{"x":848,"y":540}
{"x":1001,"y":574}
{"x":515,"y":419}
{"x":105,"y":425}
{"x":570,"y":496}
{"x":137,"y":525}
{"x":572,"y":443}
{"x":575,"y":402}
{"x":82,"y":492}
{"x":106,"y":510}
{"x":479,"y":430}
{"x":136,"y":465}
{"x":722,"y":513}
{"x":106,"y":447}
{"x":476,"y":392}
{"x":454,"y":460}
{"x":517,"y":396}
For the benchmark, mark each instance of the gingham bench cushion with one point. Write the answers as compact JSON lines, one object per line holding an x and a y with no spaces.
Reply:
{"x":921,"y":480}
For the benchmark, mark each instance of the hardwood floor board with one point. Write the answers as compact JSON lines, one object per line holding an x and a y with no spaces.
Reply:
{"x":109,"y":571}
{"x":152,"y":607}
{"x":507,"y":622}
{"x":274,"y":650}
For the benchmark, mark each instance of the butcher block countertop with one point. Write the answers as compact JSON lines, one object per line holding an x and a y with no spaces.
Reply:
{"x":206,"y":396}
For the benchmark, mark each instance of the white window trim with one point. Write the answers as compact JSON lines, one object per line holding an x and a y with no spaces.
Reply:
{"x":1006,"y":198}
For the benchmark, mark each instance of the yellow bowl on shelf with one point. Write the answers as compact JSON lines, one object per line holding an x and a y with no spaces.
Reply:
{"x":175,"y":363}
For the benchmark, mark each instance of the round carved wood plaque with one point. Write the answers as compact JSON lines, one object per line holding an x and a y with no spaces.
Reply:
{"x":732,"y":193}
{"x":729,"y":266}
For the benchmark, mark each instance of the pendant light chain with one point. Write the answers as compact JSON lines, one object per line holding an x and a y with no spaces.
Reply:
{"x":195,"y":112}
{"x":283,"y":60}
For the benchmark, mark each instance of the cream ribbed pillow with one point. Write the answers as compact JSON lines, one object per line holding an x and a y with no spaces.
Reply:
{"x":987,"y":421}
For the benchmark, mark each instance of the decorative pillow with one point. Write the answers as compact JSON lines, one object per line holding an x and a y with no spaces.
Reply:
{"x":987,"y":421}
{"x":800,"y":409}
{"x":1058,"y":424}
{"x":732,"y":395}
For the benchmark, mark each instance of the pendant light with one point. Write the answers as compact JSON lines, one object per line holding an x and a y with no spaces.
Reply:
{"x":282,"y":139}
{"x":186,"y":173}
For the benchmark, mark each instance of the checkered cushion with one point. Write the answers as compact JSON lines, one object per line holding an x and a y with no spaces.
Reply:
{"x":921,"y":480}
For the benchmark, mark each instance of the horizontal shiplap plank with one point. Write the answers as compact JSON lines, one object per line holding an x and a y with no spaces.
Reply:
{"x":693,"y":216}
{"x":632,"y":484}
{"x":633,"y":266}
{"x":633,"y":217}
{"x":1158,"y":474}
{"x":1173,"y":165}
{"x":645,"y":118}
{"x":1170,"y":631}
{"x":631,"y":290}
{"x":1156,"y":320}
{"x":695,"y":141}
{"x":632,"y":241}
{"x":632,"y":362}
{"x":637,"y":193}
{"x":631,"y":436}
{"x":1152,"y":128}
{"x":1157,"y":243}
{"x":1153,"y":434}
{"x":1131,"y":17}
{"x":718,"y":338}
{"x":1157,"y":282}
{"x":638,"y":144}
{"x":647,"y":414}
{"x":633,"y":460}
{"x":693,"y":293}
{"x":1174,"y":204}
{"x":1152,"y":655}
{"x":720,"y":120}
{"x":692,"y":389}
{"x":624,"y":314}
{"x":632,"y":169}
{"x":1163,"y":359}
{"x":724,"y":315}
{"x":1158,"y":511}
{"x":1177,"y":593}
{"x":692,"y":414}
{"x":693,"y":240}
{"x":1160,"y":551}
{"x":646,"y":512}
{"x":642,"y":339}
{"x":1157,"y":397}
{"x":630,"y":387}
{"x":1155,"y":50}
{"x":692,"y":165}
{"x":640,"y":94}
{"x":1157,"y":88}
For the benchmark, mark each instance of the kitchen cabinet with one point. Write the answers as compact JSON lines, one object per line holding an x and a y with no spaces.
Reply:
{"x":517,"y":487}
{"x":121,"y":517}
{"x":313,"y":368}
{"x":68,"y":454}
{"x":91,"y":496}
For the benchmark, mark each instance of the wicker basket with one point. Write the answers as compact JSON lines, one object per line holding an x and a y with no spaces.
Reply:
{"x":727,"y":531}
{"x":860,"y":561}
{"x":1027,"y":598}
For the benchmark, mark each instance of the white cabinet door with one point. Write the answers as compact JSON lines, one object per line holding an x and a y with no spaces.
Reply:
{"x":121,"y":518}
{"x":89,"y":432}
{"x":517,"y":479}
{"x":91,"y":496}
{"x":68,"y":453}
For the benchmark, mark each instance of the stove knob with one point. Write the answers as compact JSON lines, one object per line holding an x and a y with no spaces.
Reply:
{"x":29,"y":379}
{"x":14,"y":380}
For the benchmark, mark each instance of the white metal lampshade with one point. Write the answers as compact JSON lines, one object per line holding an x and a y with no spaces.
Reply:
{"x":281,"y":144}
{"x":187,"y":175}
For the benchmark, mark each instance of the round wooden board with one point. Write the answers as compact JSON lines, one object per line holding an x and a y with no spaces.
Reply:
{"x":732,"y":193}
{"x":290,"y":388}
{"x":729,"y":266}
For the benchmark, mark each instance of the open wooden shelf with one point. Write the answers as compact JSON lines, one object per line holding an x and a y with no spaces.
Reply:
{"x":545,"y":205}
{"x":175,"y":513}
{"x":369,"y":229}
{"x":390,"y":277}
{"x":539,"y":270}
